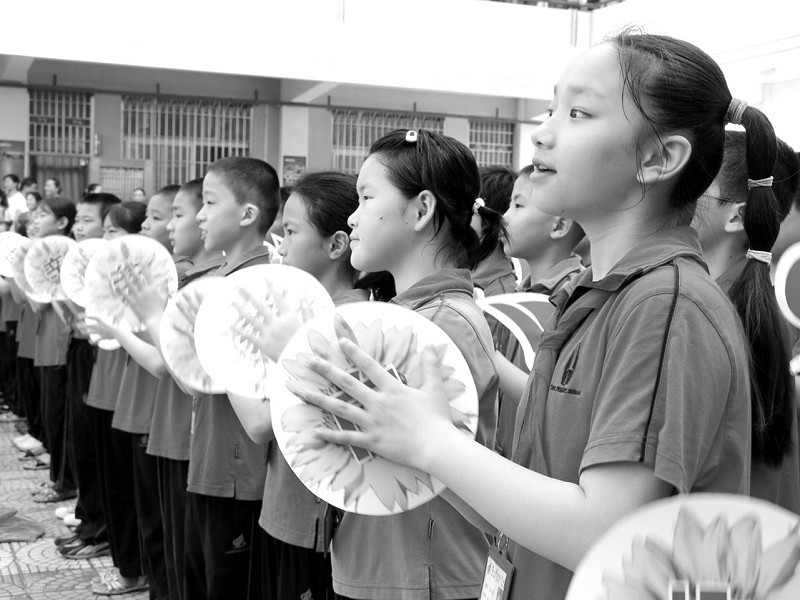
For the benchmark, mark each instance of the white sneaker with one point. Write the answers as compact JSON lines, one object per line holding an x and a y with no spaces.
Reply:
{"x":23,"y":438}
{"x":71,"y":520}
{"x":29,"y":444}
{"x":63,"y":511}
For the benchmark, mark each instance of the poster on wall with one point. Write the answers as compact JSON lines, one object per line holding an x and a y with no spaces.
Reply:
{"x":12,"y":158}
{"x":293,"y":169}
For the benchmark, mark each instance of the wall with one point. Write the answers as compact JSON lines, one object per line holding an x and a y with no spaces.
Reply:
{"x":14,"y":116}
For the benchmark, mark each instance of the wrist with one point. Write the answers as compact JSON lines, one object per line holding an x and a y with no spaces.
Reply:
{"x":440,"y":444}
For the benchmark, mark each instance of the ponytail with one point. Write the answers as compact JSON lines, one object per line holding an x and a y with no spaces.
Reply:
{"x":493,"y":229}
{"x":771,"y":385}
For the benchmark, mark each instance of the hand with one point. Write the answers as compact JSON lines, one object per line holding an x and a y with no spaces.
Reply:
{"x":97,"y":326}
{"x":266,"y":331}
{"x":146,"y":296}
{"x":396,"y":421}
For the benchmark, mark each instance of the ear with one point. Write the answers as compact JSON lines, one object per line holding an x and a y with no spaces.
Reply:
{"x":663,"y":159}
{"x":62,"y":223}
{"x":561,"y":226}
{"x":337,"y":245}
{"x":423,"y":210}
{"x":250,"y":215}
{"x":735,"y":218}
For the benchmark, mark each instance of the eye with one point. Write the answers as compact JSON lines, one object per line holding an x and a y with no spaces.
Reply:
{"x":577,"y":113}
{"x":549,"y":112}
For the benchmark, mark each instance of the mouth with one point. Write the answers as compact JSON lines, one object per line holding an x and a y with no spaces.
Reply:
{"x":540,"y":167}
{"x":203,"y":234}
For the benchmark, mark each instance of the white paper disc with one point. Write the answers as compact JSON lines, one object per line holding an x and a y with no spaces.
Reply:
{"x":43,"y":267}
{"x":352,"y":478}
{"x":10,"y":243}
{"x":73,"y":269}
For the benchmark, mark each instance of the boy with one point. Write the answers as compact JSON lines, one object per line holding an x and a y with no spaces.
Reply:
{"x":226,"y":469}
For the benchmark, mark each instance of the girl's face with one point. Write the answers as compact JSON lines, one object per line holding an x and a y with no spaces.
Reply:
{"x":47,"y":223}
{"x":184,"y":234}
{"x":88,"y":224}
{"x":111,"y":231}
{"x":383,"y":226}
{"x":50,"y":188}
{"x":139,"y":196}
{"x":159,"y":212}
{"x":712,"y":217}
{"x":30,"y":202}
{"x":303,"y":246}
{"x":528,"y":227}
{"x":584,"y":153}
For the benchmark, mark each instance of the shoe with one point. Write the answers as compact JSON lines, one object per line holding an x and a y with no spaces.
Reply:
{"x":114,"y":586}
{"x":105,"y":575}
{"x":29,"y":454}
{"x":37,"y":464}
{"x":21,"y":427}
{"x":84,"y":551}
{"x":72,"y":521}
{"x":73,"y":539}
{"x":62,"y":511}
{"x":54,"y":496}
{"x":29,"y":444}
{"x":23,"y":438}
{"x":10,"y":417}
{"x":41,"y":487}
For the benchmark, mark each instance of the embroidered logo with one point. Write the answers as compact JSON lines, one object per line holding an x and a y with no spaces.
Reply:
{"x":307,"y":595}
{"x":239,"y":545}
{"x":567,"y":373}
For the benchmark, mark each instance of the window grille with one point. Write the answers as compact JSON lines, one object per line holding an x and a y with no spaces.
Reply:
{"x":354,"y":131}
{"x":121,"y":181}
{"x":492,"y":142}
{"x":183,"y":137}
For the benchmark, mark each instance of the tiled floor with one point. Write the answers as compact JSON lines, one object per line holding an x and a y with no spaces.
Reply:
{"x":35,"y":571}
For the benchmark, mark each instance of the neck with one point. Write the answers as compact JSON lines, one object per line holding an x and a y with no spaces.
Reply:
{"x":418,"y":266}
{"x":545,"y":260}
{"x":249,"y":240}
{"x":723,"y":255}
{"x":336,"y":280}
{"x":203,"y":255}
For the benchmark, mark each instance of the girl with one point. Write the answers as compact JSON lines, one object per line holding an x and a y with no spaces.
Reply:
{"x":640,"y":389}
{"x":733,"y":219}
{"x":55,"y":216}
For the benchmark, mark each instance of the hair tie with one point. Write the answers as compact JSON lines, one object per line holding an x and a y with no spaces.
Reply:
{"x":766,"y":182}
{"x":735,"y":111}
{"x":760,"y":255}
{"x":411,"y":136}
{"x":478,"y":204}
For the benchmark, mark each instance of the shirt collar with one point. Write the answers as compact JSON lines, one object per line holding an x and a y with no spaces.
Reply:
{"x":251,"y":256}
{"x":732,"y":273}
{"x":555,"y":275}
{"x":446,"y":280}
{"x":492,"y":268}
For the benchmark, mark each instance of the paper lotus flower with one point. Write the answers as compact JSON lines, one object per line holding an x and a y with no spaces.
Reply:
{"x":42,"y":267}
{"x":715,"y":557}
{"x":355,"y":471}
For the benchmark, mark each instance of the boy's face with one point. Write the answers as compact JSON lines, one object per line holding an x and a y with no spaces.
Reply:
{"x":88,"y":224}
{"x":9,"y":186}
{"x":159,"y":212}
{"x":221,"y":216}
{"x":528,"y":227}
{"x":184,"y":233}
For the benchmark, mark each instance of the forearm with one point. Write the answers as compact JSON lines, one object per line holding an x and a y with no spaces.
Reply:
{"x":255,"y":416}
{"x":512,"y":378}
{"x":147,"y":355}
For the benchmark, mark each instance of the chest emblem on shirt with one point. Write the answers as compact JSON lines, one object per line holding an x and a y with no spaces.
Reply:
{"x":567,"y":374}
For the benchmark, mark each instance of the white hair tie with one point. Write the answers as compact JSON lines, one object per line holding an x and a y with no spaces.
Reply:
{"x":760,"y":255}
{"x":479,"y":203}
{"x":735,"y":111}
{"x":766,"y":182}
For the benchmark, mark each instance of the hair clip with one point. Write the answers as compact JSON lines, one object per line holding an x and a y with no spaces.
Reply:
{"x":735,"y":111}
{"x":411,"y":136}
{"x":766,"y":182}
{"x":759,"y":255}
{"x":479,"y":203}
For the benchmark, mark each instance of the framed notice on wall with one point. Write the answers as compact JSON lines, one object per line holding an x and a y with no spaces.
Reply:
{"x":12,"y":158}
{"x":293,"y":168}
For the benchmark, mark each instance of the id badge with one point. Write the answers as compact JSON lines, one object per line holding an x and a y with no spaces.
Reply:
{"x":497,"y":577}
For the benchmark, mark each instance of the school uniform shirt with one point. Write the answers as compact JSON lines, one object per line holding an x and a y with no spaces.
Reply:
{"x":26,"y":332}
{"x":52,"y":339}
{"x":106,"y":379}
{"x":779,"y":485}
{"x":556,"y":277}
{"x":172,"y":412}
{"x":135,"y":398}
{"x":646,"y":365}
{"x":223,"y":460}
{"x":431,"y":551}
{"x":9,"y":311}
{"x":290,"y":512}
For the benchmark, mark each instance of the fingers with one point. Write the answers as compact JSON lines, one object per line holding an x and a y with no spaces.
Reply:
{"x":376,"y":373}
{"x":341,"y":379}
{"x":432,"y":378}
{"x":342,"y":409}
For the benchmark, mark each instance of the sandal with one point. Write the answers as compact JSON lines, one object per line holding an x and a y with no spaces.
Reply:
{"x":32,"y":453}
{"x":39,"y":463}
{"x":113,"y":586}
{"x":84,"y":551}
{"x":54,"y":496}
{"x":71,"y":540}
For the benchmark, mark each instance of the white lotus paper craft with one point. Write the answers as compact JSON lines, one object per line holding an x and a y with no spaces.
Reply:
{"x":233,"y":309}
{"x":73,"y":269}
{"x":43,"y":267}
{"x":352,"y":478}
{"x":178,"y":339}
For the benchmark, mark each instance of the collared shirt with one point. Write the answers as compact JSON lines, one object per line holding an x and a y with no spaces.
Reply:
{"x":26,"y":332}
{"x":106,"y":378}
{"x":10,"y":309}
{"x":431,"y":551}
{"x":556,"y":277}
{"x":52,"y":339}
{"x":223,"y":461}
{"x":645,"y":365}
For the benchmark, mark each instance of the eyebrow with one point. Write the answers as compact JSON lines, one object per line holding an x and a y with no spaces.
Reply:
{"x":577,"y":90}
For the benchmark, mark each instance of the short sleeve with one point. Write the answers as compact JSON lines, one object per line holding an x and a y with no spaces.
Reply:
{"x":686,"y":415}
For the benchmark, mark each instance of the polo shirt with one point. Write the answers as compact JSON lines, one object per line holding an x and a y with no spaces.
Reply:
{"x":9,"y":311}
{"x":52,"y":339}
{"x":430,"y":551}
{"x":135,"y":398}
{"x":26,"y":332}
{"x":106,"y":379}
{"x":223,"y":461}
{"x":649,"y":365}
{"x":781,"y":484}
{"x":290,"y":512}
{"x":17,"y":205}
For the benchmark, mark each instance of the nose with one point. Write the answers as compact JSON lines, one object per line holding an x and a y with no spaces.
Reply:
{"x":542,"y":136}
{"x":171,"y":225}
{"x":282,"y":248}
{"x":352,"y":220}
{"x":200,"y":217}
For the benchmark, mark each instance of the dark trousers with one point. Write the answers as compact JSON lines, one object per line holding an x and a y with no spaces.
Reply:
{"x":29,"y":392}
{"x":172,"y":476}
{"x":80,"y":446}
{"x":148,"y":516}
{"x":222,"y":558}
{"x":8,"y":366}
{"x":293,"y":572}
{"x":113,"y":450}
{"x":53,"y":382}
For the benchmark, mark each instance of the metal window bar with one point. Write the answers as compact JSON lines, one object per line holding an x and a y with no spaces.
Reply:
{"x":354,"y":131}
{"x":182,"y":137}
{"x":492,"y":142}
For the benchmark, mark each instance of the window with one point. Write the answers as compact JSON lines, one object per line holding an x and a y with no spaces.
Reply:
{"x":492,"y":142}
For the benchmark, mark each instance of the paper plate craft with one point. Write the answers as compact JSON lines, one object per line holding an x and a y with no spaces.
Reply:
{"x":525,"y":314}
{"x":698,"y":547}
{"x":43,"y":267}
{"x":73,"y":269}
{"x":105,"y":284}
{"x":787,"y":284}
{"x":18,"y":266}
{"x":177,"y":336}
{"x":10,"y":243}
{"x":351,"y":478}
{"x":226,"y":328}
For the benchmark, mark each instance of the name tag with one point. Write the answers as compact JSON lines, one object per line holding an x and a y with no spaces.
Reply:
{"x":497,"y":577}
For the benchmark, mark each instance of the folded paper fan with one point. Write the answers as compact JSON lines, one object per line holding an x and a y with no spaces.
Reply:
{"x":42,"y":267}
{"x":351,"y":478}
